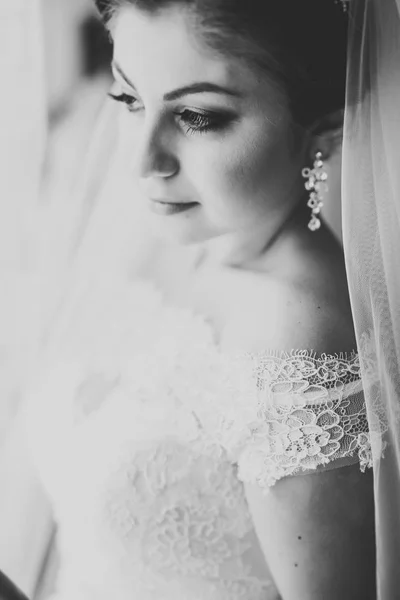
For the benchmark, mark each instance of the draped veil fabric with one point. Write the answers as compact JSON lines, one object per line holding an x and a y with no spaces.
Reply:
{"x":371,"y":228}
{"x":24,"y":519}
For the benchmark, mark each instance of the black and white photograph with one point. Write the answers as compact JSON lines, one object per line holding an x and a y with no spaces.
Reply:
{"x":200,"y":300}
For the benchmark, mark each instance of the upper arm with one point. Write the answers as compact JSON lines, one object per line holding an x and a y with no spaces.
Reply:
{"x":317,"y":530}
{"x":317,"y":533}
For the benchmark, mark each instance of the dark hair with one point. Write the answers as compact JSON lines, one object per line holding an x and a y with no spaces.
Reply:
{"x":96,"y":49}
{"x":302,"y":44}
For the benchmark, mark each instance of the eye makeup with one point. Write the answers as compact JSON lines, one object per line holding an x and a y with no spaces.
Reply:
{"x":191,"y":120}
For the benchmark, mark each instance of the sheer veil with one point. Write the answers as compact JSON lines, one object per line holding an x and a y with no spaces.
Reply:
{"x":371,"y":228}
{"x":98,"y":234}
{"x":22,"y":144}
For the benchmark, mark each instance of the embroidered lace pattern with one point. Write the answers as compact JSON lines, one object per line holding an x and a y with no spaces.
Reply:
{"x":142,"y":430}
{"x":311,"y":412}
{"x":381,"y":412}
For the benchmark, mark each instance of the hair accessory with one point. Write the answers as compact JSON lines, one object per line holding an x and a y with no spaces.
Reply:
{"x":316,"y":185}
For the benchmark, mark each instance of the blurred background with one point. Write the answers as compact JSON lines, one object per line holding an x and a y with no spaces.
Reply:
{"x":77,"y":72}
{"x":77,"y":48}
{"x":57,"y":122}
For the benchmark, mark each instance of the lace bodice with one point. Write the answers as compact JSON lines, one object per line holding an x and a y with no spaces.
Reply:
{"x":143,"y":431}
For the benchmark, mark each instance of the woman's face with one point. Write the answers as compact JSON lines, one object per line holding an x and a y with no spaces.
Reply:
{"x":203,"y":131}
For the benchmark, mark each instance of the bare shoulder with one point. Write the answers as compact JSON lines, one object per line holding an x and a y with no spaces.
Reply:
{"x":286,"y":315}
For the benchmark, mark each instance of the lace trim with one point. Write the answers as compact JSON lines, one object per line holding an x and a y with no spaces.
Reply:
{"x":381,"y":414}
{"x":283,"y":371}
{"x":291,"y":440}
{"x":310,"y":412}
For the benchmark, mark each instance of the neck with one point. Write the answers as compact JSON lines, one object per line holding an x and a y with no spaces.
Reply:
{"x":248,"y":249}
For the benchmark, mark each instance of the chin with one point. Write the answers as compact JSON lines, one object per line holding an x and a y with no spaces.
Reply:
{"x":182,"y":229}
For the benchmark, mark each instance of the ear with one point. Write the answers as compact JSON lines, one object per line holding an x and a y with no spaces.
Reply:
{"x":326,"y":135}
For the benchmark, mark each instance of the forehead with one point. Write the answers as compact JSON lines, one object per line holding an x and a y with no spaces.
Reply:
{"x":165,"y":49}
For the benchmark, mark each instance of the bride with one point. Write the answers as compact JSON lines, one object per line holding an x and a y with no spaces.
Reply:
{"x":199,"y":423}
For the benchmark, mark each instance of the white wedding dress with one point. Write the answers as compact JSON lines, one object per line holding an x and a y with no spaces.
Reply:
{"x":143,"y":431}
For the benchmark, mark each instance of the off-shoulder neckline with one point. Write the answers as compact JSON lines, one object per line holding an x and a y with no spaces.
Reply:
{"x":267,"y":353}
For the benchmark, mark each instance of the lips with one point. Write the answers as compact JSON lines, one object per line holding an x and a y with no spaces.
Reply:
{"x":168,"y":201}
{"x":169,"y":207}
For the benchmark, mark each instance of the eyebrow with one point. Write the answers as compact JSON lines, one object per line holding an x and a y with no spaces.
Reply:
{"x":194,"y":88}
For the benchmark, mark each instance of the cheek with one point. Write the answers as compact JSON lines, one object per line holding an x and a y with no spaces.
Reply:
{"x":265,"y":167}
{"x":247,"y":172}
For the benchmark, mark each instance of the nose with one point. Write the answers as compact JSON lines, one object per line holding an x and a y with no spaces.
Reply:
{"x":155,"y":156}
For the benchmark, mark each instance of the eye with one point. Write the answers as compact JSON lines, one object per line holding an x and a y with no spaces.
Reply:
{"x":198,"y":122}
{"x":132,"y":104}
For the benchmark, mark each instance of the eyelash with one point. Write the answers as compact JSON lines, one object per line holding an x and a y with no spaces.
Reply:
{"x":194,"y":122}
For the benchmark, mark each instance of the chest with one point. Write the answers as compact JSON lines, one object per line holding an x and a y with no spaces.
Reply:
{"x":236,"y":304}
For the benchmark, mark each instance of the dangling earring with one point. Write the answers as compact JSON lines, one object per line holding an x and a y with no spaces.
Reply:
{"x":316,"y":184}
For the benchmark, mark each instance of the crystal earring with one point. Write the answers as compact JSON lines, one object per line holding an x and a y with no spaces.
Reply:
{"x":316,"y":185}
